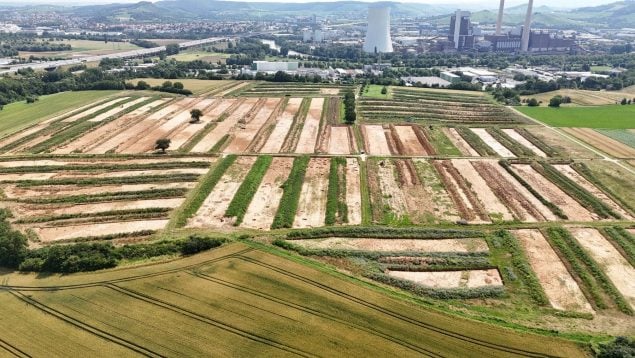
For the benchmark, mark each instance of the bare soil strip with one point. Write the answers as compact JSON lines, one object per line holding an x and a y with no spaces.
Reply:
{"x":493,"y":205}
{"x":429,"y":200}
{"x":115,"y":111}
{"x":283,"y":125}
{"x":591,"y":188}
{"x":245,"y":133}
{"x":232,"y":89}
{"x":112,"y":174}
{"x":619,"y":271}
{"x":312,"y":203}
{"x":49,"y":234}
{"x":410,"y":141}
{"x":560,"y":287}
{"x":451,"y":279}
{"x":14,"y":192}
{"x":395,"y":245}
{"x":523,"y":141}
{"x":553,"y":193}
{"x":493,"y":143}
{"x":309,"y":134}
{"x":45,"y":210}
{"x":188,"y":130}
{"x":339,"y":140}
{"x":72,"y":161}
{"x":264,"y":205}
{"x":461,"y":144}
{"x":95,"y":109}
{"x":606,"y":144}
{"x":467,"y":203}
{"x":103,"y":133}
{"x":212,"y":212}
{"x":353,"y":193}
{"x":223,"y":128}
{"x":375,"y":140}
{"x":391,"y":195}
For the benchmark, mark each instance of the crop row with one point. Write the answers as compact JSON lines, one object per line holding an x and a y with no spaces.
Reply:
{"x":336,"y":208}
{"x":509,"y":143}
{"x":623,"y":240}
{"x":240,"y":203}
{"x":140,"y":179}
{"x":382,"y":232}
{"x":291,"y":194}
{"x":475,"y":142}
{"x":109,"y":196}
{"x":111,"y":215}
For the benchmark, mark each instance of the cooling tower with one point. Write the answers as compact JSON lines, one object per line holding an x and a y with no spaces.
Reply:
{"x":524,"y":40}
{"x":378,"y":32}
{"x":499,"y":21}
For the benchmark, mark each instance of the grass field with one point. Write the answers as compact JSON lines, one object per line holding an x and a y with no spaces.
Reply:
{"x":194,"y":55}
{"x":16,"y":116}
{"x":612,"y":116}
{"x":196,"y":86}
{"x":85,"y":47}
{"x":586,"y":98}
{"x":374,"y":91}
{"x":238,"y":300}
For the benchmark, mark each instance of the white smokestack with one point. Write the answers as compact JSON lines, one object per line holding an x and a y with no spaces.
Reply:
{"x":524,"y":40}
{"x":378,"y":32}
{"x":499,"y":21}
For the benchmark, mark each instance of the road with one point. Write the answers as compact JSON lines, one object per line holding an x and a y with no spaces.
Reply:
{"x":126,"y":54}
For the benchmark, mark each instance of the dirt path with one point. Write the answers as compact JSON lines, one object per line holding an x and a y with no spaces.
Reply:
{"x":115,"y":111}
{"x":561,"y":289}
{"x":212,"y":212}
{"x":493,"y":143}
{"x":410,"y":141}
{"x":375,"y":140}
{"x":451,"y":279}
{"x":553,"y":193}
{"x":591,"y":188}
{"x":264,"y":205}
{"x":283,"y":124}
{"x":395,"y":245}
{"x":312,"y":205}
{"x":244,"y":134}
{"x":338,"y":140}
{"x":461,"y":144}
{"x":619,"y":271}
{"x":493,"y":205}
{"x":606,"y":144}
{"x":309,"y":134}
{"x":49,"y":234}
{"x":353,"y":192}
{"x":95,"y":109}
{"x":524,"y":142}
{"x":223,"y":128}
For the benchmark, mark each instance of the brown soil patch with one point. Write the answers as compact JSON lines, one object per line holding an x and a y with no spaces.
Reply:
{"x":94,"y":109}
{"x":312,"y":204}
{"x":467,"y":203}
{"x":451,"y":279}
{"x":523,"y":141}
{"x":240,"y":110}
{"x":461,"y":144}
{"x":283,"y":125}
{"x":619,"y":271}
{"x":560,"y":287}
{"x":339,"y":140}
{"x":553,"y":193}
{"x":606,"y":144}
{"x":264,"y":205}
{"x":375,"y":140}
{"x":395,"y":245}
{"x":409,"y":141}
{"x":48,"y":234}
{"x":44,"y":210}
{"x":212,"y":212}
{"x":353,"y":193}
{"x":187,"y":131}
{"x":493,"y":143}
{"x":244,"y":134}
{"x":309,"y":134}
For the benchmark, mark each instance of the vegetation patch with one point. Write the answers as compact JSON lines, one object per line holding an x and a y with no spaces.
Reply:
{"x":622,"y":240}
{"x":476,"y":142}
{"x":239,"y":204}
{"x":291,"y":194}
{"x":336,"y":208}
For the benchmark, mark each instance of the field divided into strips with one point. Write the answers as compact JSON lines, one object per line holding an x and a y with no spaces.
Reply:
{"x":148,"y":310}
{"x":90,"y":199}
{"x":283,"y":124}
{"x":435,"y":106}
{"x":459,"y":142}
{"x":247,"y":131}
{"x":308,"y":138}
{"x":312,"y":201}
{"x":602,"y":142}
{"x":626,"y":136}
{"x":486,"y":137}
{"x":264,"y":89}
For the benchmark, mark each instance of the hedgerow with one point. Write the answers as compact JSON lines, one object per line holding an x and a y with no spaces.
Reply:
{"x":383,"y":232}
{"x":336,"y":208}
{"x":111,"y":214}
{"x":239,"y":204}
{"x":291,"y":194}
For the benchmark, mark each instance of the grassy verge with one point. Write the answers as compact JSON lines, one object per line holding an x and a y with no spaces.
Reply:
{"x":199,"y":193}
{"x":239,"y":204}
{"x":291,"y":194}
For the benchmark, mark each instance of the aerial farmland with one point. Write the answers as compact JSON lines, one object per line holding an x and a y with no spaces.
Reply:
{"x":432,"y":203}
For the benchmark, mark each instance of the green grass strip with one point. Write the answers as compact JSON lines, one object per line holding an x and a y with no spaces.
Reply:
{"x":110,"y":196}
{"x":140,"y":179}
{"x":332,"y":196}
{"x":145,"y":212}
{"x":623,"y":239}
{"x":291,"y":194}
{"x":583,"y":170}
{"x":239,"y":204}
{"x":476,"y":142}
{"x":198,"y":195}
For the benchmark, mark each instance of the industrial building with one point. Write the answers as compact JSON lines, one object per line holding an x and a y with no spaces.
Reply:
{"x":378,"y":32}
{"x":270,"y":66}
{"x":461,"y":30}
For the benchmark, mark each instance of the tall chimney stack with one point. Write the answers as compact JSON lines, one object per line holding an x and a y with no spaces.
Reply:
{"x":499,"y":22}
{"x":524,"y":40}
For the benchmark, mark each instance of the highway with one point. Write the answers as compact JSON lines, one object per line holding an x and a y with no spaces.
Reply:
{"x":127,"y":54}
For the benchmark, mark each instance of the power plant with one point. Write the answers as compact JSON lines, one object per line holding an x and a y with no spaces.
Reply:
{"x":378,"y":31}
{"x":524,"y":41}
{"x":499,"y":20}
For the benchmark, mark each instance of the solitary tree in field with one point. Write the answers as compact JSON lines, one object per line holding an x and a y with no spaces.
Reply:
{"x":163,"y":144}
{"x":384,"y":90}
{"x":555,"y":101}
{"x":196,"y":115}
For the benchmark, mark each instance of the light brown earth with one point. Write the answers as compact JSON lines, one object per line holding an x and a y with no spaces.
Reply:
{"x":14,"y":192}
{"x":553,"y":193}
{"x":232,"y":89}
{"x":353,"y":193}
{"x":212,"y":212}
{"x":284,"y":122}
{"x":115,"y":111}
{"x":312,"y":205}
{"x":461,"y":144}
{"x":493,"y":143}
{"x":375,"y":140}
{"x":27,"y":210}
{"x":606,"y":144}
{"x":483,"y":278}
{"x":48,"y":234}
{"x":223,"y":128}
{"x":492,"y":204}
{"x":91,"y":161}
{"x":395,"y":245}
{"x":245,"y":133}
{"x":591,"y":188}
{"x":113,"y":174}
{"x":264,"y":205}
{"x":309,"y":134}
{"x":429,"y":199}
{"x":451,"y":279}
{"x":619,"y":271}
{"x":523,"y":141}
{"x":391,"y":194}
{"x":95,"y":109}
{"x":410,"y":141}
{"x":561,"y":289}
{"x":561,"y":143}
{"x":330,"y":91}
{"x":469,"y":207}
{"x":187,"y":131}
{"x":339,"y":140}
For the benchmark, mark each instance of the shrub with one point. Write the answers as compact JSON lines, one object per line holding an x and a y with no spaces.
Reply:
{"x":195,"y":244}
{"x":533,"y":102}
{"x":621,"y":347}
{"x":555,"y":101}
{"x":13,"y":244}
